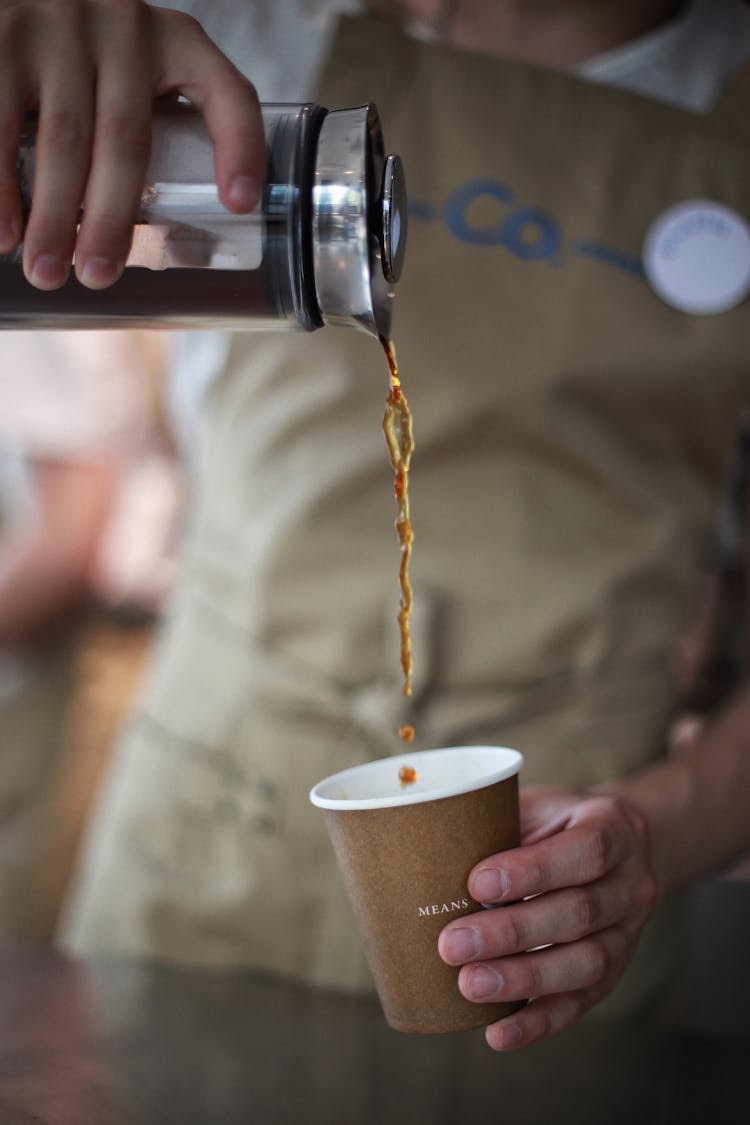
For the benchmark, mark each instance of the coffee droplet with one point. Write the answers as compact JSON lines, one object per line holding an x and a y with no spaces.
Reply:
{"x":407,"y":776}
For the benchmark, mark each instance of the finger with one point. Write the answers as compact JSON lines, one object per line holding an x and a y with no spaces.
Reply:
{"x":193,"y":65}
{"x":540,"y":1019}
{"x":63,"y":151}
{"x":10,"y":200}
{"x":561,"y":968}
{"x":15,"y":80}
{"x":579,"y":854}
{"x":560,"y":916}
{"x":122,"y":141}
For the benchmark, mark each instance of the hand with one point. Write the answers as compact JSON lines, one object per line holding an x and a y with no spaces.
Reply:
{"x":580,"y":886}
{"x":92,"y":68}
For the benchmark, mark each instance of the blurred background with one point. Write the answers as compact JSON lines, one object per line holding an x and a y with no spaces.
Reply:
{"x":91,"y":506}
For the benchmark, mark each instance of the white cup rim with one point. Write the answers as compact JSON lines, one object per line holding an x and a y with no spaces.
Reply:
{"x":491,"y":764}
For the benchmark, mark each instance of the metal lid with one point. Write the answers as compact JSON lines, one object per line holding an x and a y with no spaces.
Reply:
{"x":393,"y":206}
{"x":359,"y":221}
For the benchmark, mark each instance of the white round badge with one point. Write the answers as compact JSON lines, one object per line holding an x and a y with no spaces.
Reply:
{"x":696,"y":256}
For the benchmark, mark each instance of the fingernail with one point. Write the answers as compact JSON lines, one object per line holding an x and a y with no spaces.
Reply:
{"x":8,"y":237}
{"x":97,"y":273}
{"x":48,"y":271}
{"x":482,"y":983}
{"x":460,"y":945}
{"x":489,"y":885}
{"x":243,"y":193}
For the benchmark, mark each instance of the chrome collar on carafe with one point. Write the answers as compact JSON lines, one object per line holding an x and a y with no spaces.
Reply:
{"x":359,"y":221}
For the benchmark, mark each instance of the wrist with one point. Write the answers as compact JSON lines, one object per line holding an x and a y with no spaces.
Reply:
{"x":660,"y":802}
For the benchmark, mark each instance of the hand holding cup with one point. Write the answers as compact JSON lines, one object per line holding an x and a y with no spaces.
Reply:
{"x":575,"y":897}
{"x":405,"y":849}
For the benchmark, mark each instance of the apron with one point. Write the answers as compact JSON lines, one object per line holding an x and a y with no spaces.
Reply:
{"x":571,"y":432}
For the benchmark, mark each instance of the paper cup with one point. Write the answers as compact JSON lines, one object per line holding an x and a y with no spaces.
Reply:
{"x":405,"y":853}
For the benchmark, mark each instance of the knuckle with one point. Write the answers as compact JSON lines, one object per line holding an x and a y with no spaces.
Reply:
{"x":601,"y":847}
{"x":131,"y":13}
{"x":183,"y":23}
{"x":106,"y":235}
{"x":121,"y":9}
{"x":515,"y":935}
{"x":67,"y":130}
{"x":599,"y":961}
{"x":48,"y":233}
{"x":107,"y":228}
{"x":247,"y":90}
{"x":104,"y":225}
{"x":42,"y":229}
{"x":125,"y":20}
{"x":586,"y":911}
{"x":532,"y":983}
{"x":639,"y":822}
{"x":242,"y":128}
{"x":537,"y":874}
{"x":118,"y":129}
{"x":136,"y":29}
{"x":541,"y":1023}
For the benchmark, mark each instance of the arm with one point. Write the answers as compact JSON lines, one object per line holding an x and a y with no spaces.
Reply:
{"x":697,"y":806}
{"x":597,"y":862}
{"x":91,"y":68}
{"x":44,"y":563}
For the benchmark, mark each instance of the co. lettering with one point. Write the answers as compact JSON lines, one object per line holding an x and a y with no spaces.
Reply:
{"x":529,"y":233}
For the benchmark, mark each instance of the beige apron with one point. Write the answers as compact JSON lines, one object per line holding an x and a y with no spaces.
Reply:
{"x":571,"y":431}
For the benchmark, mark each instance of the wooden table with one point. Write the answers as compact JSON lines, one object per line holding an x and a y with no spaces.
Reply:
{"x":126,"y":1043}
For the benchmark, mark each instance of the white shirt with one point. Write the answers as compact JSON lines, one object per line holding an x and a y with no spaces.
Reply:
{"x":280,"y":46}
{"x":686,"y":62}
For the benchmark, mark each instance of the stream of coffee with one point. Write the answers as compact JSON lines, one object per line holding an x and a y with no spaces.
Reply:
{"x":397,"y":428}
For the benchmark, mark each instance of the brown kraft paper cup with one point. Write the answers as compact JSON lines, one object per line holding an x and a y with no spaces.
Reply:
{"x":405,"y":853}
